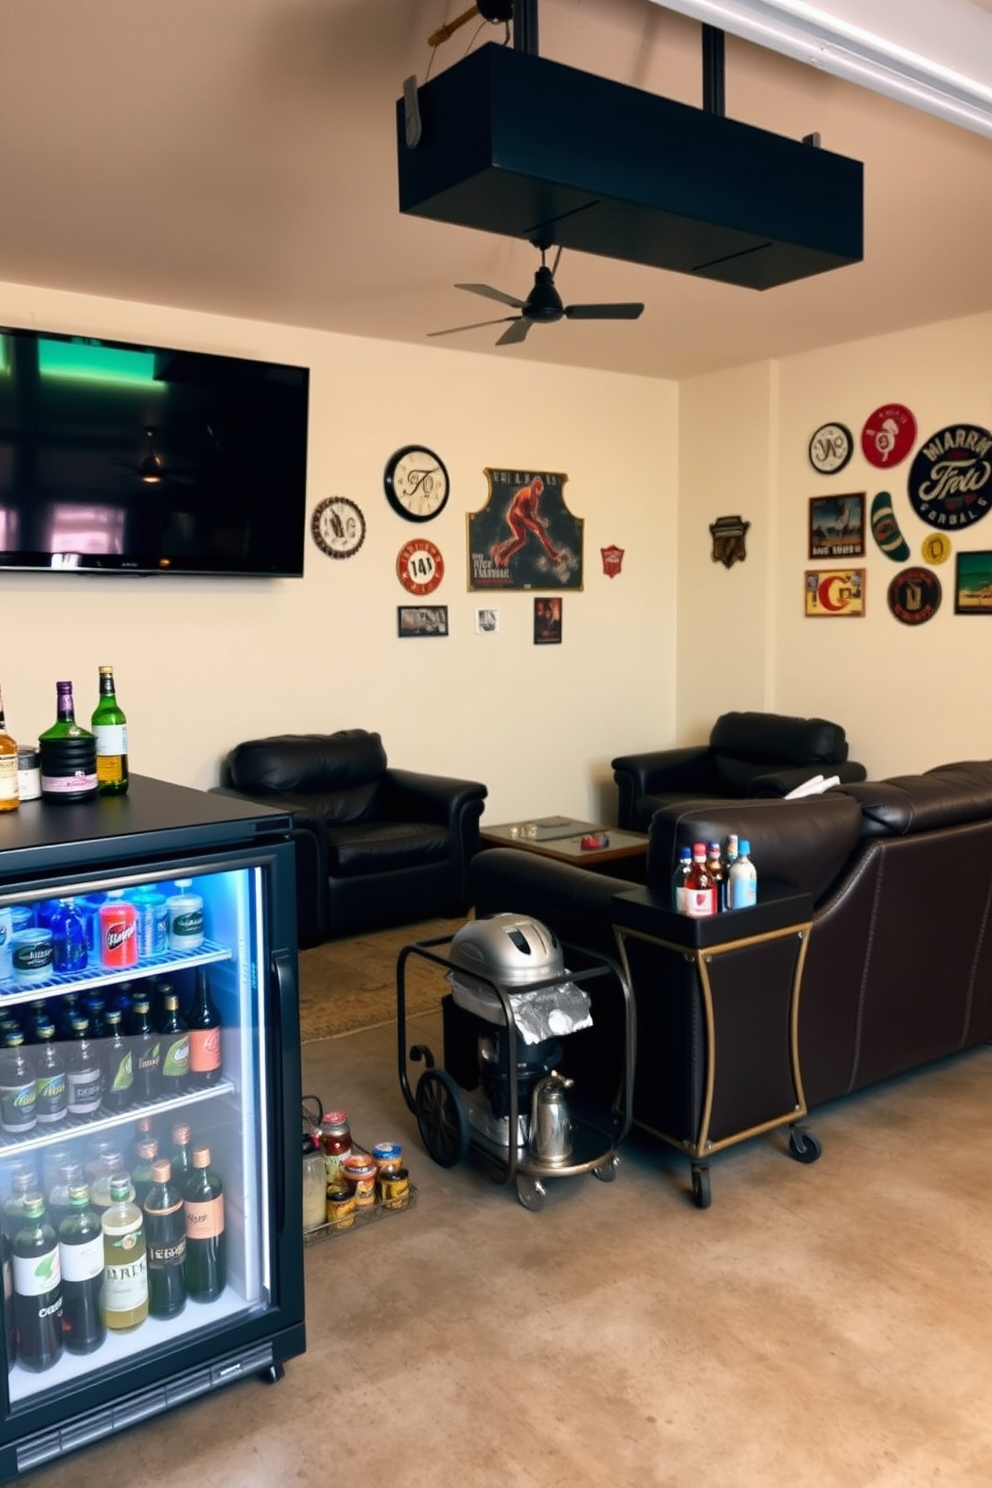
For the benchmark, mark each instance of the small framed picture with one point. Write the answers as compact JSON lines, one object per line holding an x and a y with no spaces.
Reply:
{"x":422,"y":620}
{"x":973,"y":584}
{"x":486,"y":622}
{"x":837,"y":526}
{"x":547,"y":622}
{"x":833,"y":593}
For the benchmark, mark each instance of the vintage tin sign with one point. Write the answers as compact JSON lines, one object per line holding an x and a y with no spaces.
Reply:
{"x":419,"y":567}
{"x":915,"y":595}
{"x":950,"y":479}
{"x":729,"y":534}
{"x":888,"y":435}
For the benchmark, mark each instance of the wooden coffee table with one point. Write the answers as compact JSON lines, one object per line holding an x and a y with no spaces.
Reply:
{"x":560,"y":837}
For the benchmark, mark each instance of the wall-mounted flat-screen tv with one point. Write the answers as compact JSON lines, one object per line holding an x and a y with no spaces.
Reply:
{"x":120,"y":458}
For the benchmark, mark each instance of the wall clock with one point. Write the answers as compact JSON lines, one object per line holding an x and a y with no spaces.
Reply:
{"x":419,"y":567}
{"x":416,"y":483}
{"x":337,"y":527}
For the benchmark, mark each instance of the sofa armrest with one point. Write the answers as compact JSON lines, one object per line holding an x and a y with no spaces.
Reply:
{"x":410,"y":795}
{"x":658,"y":772}
{"x":311,"y":863}
{"x":574,"y":902}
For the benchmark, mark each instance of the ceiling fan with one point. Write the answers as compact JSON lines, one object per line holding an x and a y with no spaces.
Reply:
{"x":542,"y":306}
{"x":152,"y":470}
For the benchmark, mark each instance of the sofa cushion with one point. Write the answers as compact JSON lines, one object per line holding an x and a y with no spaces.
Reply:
{"x":377,"y":847}
{"x":945,"y":796}
{"x":334,"y":776}
{"x":772,"y":739}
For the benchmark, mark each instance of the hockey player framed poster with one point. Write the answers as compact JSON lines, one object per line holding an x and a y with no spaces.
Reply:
{"x":524,"y":537}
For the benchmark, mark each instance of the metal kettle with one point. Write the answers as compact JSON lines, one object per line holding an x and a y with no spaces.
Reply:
{"x":550,"y":1123}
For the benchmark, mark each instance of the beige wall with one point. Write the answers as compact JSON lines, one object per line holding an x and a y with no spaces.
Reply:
{"x":202,"y":663}
{"x":908,"y":697}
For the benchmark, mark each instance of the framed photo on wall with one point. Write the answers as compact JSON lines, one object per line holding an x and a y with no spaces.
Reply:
{"x":422,"y":620}
{"x":837,"y":526}
{"x":547,"y":622}
{"x":834,"y":593}
{"x":973,"y":583}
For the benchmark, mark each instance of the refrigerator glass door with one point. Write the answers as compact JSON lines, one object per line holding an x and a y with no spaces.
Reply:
{"x":163,"y":936}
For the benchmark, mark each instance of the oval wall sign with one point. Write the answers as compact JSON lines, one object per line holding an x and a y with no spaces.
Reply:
{"x":888,"y":435}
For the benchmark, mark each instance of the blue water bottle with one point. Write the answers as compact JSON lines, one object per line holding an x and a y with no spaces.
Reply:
{"x":68,"y":937}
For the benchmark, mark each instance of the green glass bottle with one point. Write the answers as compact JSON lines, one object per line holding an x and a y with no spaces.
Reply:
{"x":110,"y":727}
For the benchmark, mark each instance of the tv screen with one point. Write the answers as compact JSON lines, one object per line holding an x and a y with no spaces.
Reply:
{"x":122,"y":458}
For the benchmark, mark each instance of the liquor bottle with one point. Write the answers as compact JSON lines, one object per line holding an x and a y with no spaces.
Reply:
{"x":206,"y":1256}
{"x":17,"y":1088}
{"x":94,"y":1010}
{"x":67,"y":1009}
{"x":144,"y":1128}
{"x":182,"y":1156}
{"x":85,"y":1072}
{"x":165,"y":1232}
{"x":51,"y":1084}
{"x":23,"y":1183}
{"x":714,"y":863}
{"x":7,"y":1257}
{"x":110,"y":728}
{"x":125,"y":1276}
{"x":9,"y":794}
{"x":68,"y":754}
{"x":111,"y":1170}
{"x":141,"y":1170}
{"x":205,"y":1053}
{"x":678,"y":879}
{"x":146,"y":1052}
{"x":730,"y":855}
{"x":81,"y":1262}
{"x":35,"y":1014}
{"x":175,"y":1048}
{"x":743,"y":879}
{"x":700,"y":890}
{"x":37,"y":1289}
{"x":69,"y":1176}
{"x":118,"y":1056}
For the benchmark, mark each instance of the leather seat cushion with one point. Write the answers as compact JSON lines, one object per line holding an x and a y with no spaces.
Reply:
{"x":377,"y":847}
{"x":775,"y":740}
{"x":946,"y":796}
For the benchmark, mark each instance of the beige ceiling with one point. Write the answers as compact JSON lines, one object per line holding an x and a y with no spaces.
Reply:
{"x":238,"y":156}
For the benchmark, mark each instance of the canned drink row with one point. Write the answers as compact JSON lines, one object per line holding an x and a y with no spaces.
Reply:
{"x":114,"y":930}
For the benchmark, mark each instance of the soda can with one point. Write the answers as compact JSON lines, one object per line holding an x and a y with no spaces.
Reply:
{"x":32,"y":952}
{"x":118,"y":933}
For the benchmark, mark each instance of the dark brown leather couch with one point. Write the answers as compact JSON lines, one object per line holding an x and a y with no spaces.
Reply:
{"x":899,"y":966}
{"x":375,"y":846}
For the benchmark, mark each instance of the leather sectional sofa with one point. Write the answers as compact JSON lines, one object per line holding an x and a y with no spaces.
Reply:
{"x":898,"y":970}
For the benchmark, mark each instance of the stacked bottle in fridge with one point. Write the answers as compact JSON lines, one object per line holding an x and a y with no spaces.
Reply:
{"x":150,"y":1204}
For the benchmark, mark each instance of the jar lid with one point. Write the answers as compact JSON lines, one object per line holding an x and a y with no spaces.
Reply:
{"x":27,"y":758}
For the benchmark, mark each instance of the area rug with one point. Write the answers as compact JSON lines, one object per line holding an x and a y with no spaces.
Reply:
{"x":350,"y":984}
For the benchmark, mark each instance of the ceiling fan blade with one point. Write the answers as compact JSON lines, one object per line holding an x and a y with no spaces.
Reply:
{"x":474,"y":326}
{"x":516,"y":332}
{"x":493,"y":294}
{"x":603,"y":312}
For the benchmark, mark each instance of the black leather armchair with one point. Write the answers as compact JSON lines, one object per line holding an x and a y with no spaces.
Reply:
{"x":748,"y":755}
{"x":375,"y":846}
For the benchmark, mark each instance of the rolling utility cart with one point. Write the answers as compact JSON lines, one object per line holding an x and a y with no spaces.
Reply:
{"x":718,"y":1023}
{"x":514,"y":1088}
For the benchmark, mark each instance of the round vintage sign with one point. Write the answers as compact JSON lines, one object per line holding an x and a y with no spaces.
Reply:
{"x":935,"y":548}
{"x":888,"y":435}
{"x":950,"y":479}
{"x":830,"y":448}
{"x":914,"y":595}
{"x":419,"y":567}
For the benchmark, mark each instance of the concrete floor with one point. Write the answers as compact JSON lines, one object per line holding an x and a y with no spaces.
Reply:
{"x":822,"y":1326}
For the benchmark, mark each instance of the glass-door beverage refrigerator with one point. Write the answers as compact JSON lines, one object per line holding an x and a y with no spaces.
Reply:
{"x":150,"y":1174}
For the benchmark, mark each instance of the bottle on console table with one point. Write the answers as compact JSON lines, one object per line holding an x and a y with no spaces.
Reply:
{"x":68,"y":754}
{"x":743,"y":883}
{"x":700,"y":886}
{"x":9,"y":791}
{"x":110,"y":730}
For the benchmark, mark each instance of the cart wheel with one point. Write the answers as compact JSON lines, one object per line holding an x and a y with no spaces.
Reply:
{"x":607,"y":1171}
{"x":441,"y":1118}
{"x":701,"y":1186}
{"x":531,"y":1192}
{"x":803,"y":1146}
